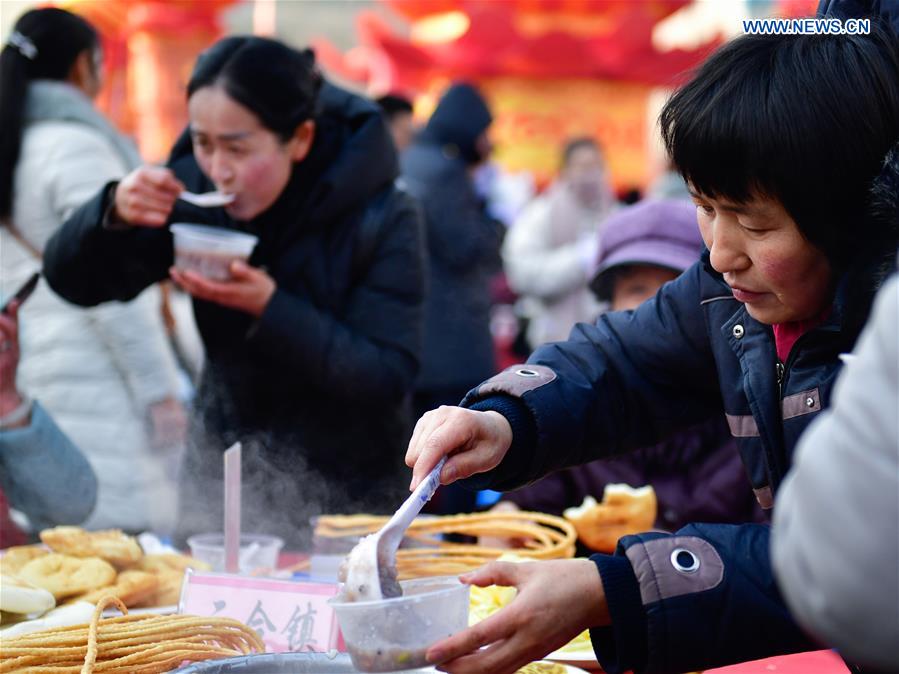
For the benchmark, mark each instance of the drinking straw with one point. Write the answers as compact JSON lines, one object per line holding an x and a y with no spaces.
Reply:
{"x":232,"y":508}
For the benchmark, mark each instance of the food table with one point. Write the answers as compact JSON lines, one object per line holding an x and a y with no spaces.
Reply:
{"x":577,"y":656}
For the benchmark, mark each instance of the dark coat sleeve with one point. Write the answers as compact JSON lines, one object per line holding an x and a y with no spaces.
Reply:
{"x":702,"y":597}
{"x":625,"y":382}
{"x":86,"y":263}
{"x":629,"y":380}
{"x":373,"y":350}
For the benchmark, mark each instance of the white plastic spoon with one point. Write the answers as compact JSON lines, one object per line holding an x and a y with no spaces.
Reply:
{"x":207,"y":199}
{"x":371,"y":565}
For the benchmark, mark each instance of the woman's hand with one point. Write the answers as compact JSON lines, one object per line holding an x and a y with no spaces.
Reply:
{"x":474,"y":441}
{"x":556,"y":601}
{"x":146,"y":196}
{"x":249,"y":289}
{"x":9,"y":359}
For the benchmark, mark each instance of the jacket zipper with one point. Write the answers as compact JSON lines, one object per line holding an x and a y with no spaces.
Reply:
{"x":780,"y":369}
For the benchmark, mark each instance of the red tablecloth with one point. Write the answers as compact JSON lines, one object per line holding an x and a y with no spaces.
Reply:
{"x":816,"y":662}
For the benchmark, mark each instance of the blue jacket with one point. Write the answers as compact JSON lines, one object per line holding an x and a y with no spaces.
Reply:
{"x":704,"y":596}
{"x":44,"y":475}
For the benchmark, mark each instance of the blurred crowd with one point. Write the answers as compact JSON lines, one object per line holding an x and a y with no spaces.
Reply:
{"x":393,"y":275}
{"x":484,"y":276}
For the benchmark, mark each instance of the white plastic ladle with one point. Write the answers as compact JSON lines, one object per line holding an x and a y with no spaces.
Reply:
{"x":371,"y":565}
{"x":207,"y":199}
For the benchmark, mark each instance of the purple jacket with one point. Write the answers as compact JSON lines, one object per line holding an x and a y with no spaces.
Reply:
{"x":697,"y":474}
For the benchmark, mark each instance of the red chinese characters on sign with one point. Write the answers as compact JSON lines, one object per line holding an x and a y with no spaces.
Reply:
{"x":289,"y":616}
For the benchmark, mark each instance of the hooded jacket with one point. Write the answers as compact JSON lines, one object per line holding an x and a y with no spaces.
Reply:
{"x":463,"y":244}
{"x":316,"y":388}
{"x":691,"y":353}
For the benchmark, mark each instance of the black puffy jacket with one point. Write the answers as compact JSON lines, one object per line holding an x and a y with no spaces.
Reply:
{"x":316,"y":388}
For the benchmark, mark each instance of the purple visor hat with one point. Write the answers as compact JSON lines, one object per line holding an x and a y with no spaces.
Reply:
{"x":654,"y":232}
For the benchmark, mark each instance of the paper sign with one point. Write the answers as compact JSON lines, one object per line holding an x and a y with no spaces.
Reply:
{"x":289,"y":616}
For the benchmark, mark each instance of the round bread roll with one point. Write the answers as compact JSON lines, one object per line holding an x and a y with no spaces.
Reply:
{"x":623,"y":510}
{"x":115,"y":547}
{"x":132,"y":587}
{"x":20,"y":596}
{"x":17,"y":556}
{"x":162,"y":562}
{"x":65,"y":576}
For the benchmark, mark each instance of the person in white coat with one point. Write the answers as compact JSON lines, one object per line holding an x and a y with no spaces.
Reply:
{"x":550,"y":251}
{"x":835,"y":541}
{"x":107,"y":375}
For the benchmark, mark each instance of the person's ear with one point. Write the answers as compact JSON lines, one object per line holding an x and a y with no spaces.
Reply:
{"x":302,"y":139}
{"x":82,"y":75}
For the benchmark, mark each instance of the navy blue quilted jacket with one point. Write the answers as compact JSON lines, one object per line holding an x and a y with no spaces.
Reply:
{"x":704,"y":596}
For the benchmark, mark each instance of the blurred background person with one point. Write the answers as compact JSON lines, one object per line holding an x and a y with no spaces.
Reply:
{"x":670,"y":185}
{"x":43,"y":475}
{"x":107,"y":375}
{"x":398,"y":112}
{"x":313,"y":345}
{"x":697,"y":474}
{"x":463,"y":254}
{"x":550,"y":251}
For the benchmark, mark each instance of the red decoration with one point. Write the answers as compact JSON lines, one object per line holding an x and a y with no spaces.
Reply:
{"x":606,"y":39}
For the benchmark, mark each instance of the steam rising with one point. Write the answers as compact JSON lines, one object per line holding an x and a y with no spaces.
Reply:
{"x":282,"y":491}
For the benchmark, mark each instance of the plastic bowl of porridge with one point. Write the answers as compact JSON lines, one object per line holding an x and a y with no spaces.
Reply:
{"x":393,"y":634}
{"x":209,"y":251}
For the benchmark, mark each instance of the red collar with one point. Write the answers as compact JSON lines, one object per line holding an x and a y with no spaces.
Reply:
{"x":786,"y":334}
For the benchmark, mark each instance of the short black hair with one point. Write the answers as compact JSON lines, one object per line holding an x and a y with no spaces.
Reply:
{"x":572,"y":145}
{"x":392,"y":105}
{"x":278,"y":84}
{"x":804,"y":119}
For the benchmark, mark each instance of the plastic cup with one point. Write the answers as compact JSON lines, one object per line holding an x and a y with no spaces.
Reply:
{"x":394,"y":634}
{"x":209,"y":251}
{"x":257,"y":551}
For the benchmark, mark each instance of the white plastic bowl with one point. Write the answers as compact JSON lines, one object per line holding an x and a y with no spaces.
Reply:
{"x":257,"y":551}
{"x":393,"y":634}
{"x":210,"y":250}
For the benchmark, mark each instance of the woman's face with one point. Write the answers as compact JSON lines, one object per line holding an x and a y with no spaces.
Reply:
{"x":770,"y":266}
{"x":585,"y":174}
{"x":637,"y":283}
{"x":239,"y":154}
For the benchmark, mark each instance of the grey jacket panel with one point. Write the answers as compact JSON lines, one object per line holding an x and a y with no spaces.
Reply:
{"x":835,"y":542}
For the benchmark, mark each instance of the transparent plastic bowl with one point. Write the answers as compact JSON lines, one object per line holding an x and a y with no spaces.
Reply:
{"x":394,"y":634}
{"x":257,"y":551}
{"x":209,"y":251}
